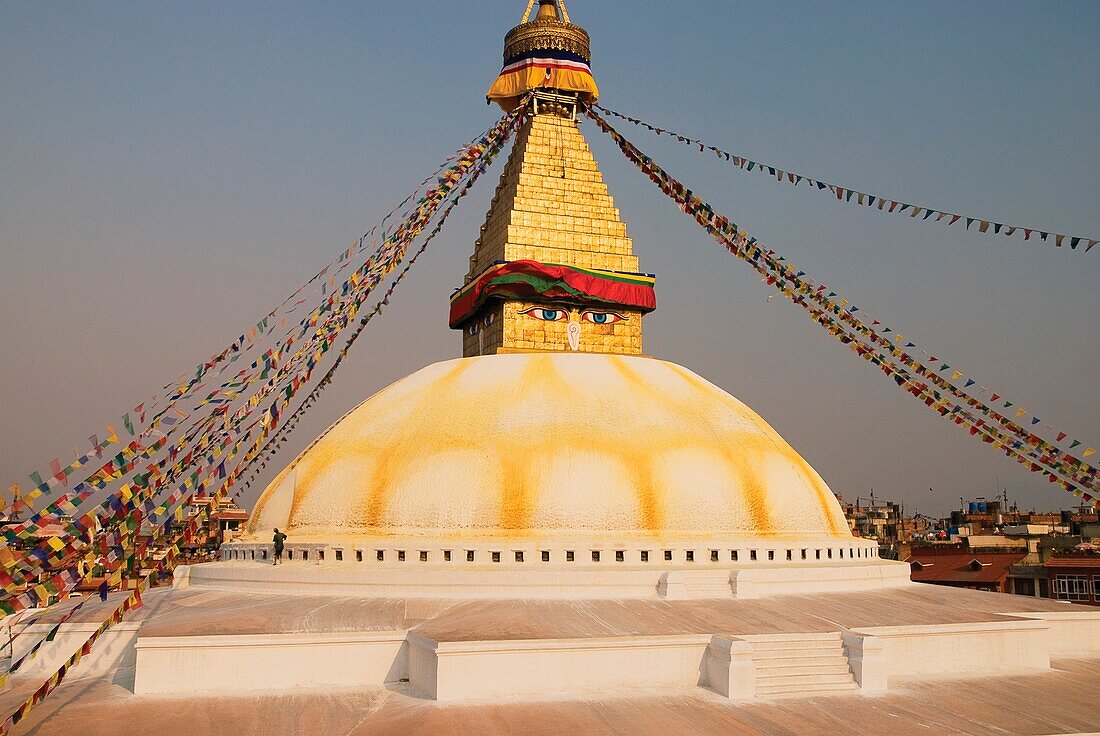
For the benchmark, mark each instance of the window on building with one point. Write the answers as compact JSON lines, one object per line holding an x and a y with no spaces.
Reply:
{"x":495,"y":556}
{"x":690,"y":555}
{"x":1023,"y":586}
{"x":321,"y":555}
{"x":339,"y":555}
{"x":771,"y":554}
{"x":1071,"y":587}
{"x":714,"y":555}
{"x":423,"y":555}
{"x":595,"y":555}
{"x":545,"y":555}
{"x":469,"y":555}
{"x":668,"y":555}
{"x":379,"y":555}
{"x":1096,"y":588}
{"x":733,"y":555}
{"x":358,"y":555}
{"x":446,"y":555}
{"x":400,"y":555}
{"x":645,"y":555}
{"x":752,"y":555}
{"x":570,"y":555}
{"x":620,"y":555}
{"x":519,"y":556}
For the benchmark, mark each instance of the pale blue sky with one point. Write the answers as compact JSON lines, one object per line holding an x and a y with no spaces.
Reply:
{"x":168,"y":172}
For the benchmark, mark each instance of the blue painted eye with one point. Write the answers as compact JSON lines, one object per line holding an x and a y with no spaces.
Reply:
{"x":602,"y":318}
{"x":547,"y":315}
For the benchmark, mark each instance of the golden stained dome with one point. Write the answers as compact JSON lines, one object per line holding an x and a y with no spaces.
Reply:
{"x":550,"y":446}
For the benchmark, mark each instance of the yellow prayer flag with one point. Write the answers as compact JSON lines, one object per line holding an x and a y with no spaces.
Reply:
{"x":956,"y":375}
{"x":984,"y":226}
{"x":1088,"y":452}
{"x":1020,"y":412}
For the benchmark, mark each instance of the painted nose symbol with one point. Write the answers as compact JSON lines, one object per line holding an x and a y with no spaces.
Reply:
{"x":573,"y":332}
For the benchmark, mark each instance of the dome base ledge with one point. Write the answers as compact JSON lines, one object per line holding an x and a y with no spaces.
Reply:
{"x":587,"y":580}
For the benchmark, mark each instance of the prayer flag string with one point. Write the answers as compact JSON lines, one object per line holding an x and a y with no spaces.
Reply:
{"x":854,"y":196}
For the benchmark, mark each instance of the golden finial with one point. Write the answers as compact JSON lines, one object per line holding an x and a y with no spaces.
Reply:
{"x":546,"y":52}
{"x":547,"y":9}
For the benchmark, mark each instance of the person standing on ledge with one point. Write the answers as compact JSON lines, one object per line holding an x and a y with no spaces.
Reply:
{"x":278,"y":539}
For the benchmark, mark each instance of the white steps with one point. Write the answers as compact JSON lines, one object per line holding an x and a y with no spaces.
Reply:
{"x":800,"y":665}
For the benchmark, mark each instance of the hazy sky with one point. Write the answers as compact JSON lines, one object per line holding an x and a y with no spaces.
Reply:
{"x":169,"y":172}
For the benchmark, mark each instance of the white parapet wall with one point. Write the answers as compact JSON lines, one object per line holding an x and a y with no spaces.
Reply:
{"x":472,"y":670}
{"x":1074,"y":632}
{"x":113,"y":650}
{"x":751,"y":583}
{"x":604,"y":580}
{"x":880,"y":654}
{"x":258,"y":662}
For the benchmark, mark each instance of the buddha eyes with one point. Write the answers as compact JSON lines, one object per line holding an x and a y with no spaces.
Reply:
{"x":485,"y":321}
{"x":602,"y":318}
{"x":547,"y":315}
{"x":561,"y":315}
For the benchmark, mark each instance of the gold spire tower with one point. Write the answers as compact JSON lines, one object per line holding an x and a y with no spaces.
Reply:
{"x":553,"y":268}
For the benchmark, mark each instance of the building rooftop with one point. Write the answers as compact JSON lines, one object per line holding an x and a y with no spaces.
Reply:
{"x":968,"y":567}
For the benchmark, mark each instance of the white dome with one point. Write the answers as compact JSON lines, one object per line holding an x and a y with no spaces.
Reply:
{"x":550,"y":446}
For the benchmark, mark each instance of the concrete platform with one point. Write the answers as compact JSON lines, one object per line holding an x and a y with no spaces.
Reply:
{"x":414,"y":654}
{"x":1060,"y":701}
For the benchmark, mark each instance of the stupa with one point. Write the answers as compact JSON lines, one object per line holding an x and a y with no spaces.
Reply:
{"x":555,"y":459}
{"x":556,"y":516}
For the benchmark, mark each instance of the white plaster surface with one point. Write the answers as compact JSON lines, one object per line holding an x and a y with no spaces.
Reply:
{"x":265,"y":662}
{"x":549,"y":446}
{"x":475,"y":670}
{"x":952,"y":650}
{"x":534,"y":579}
